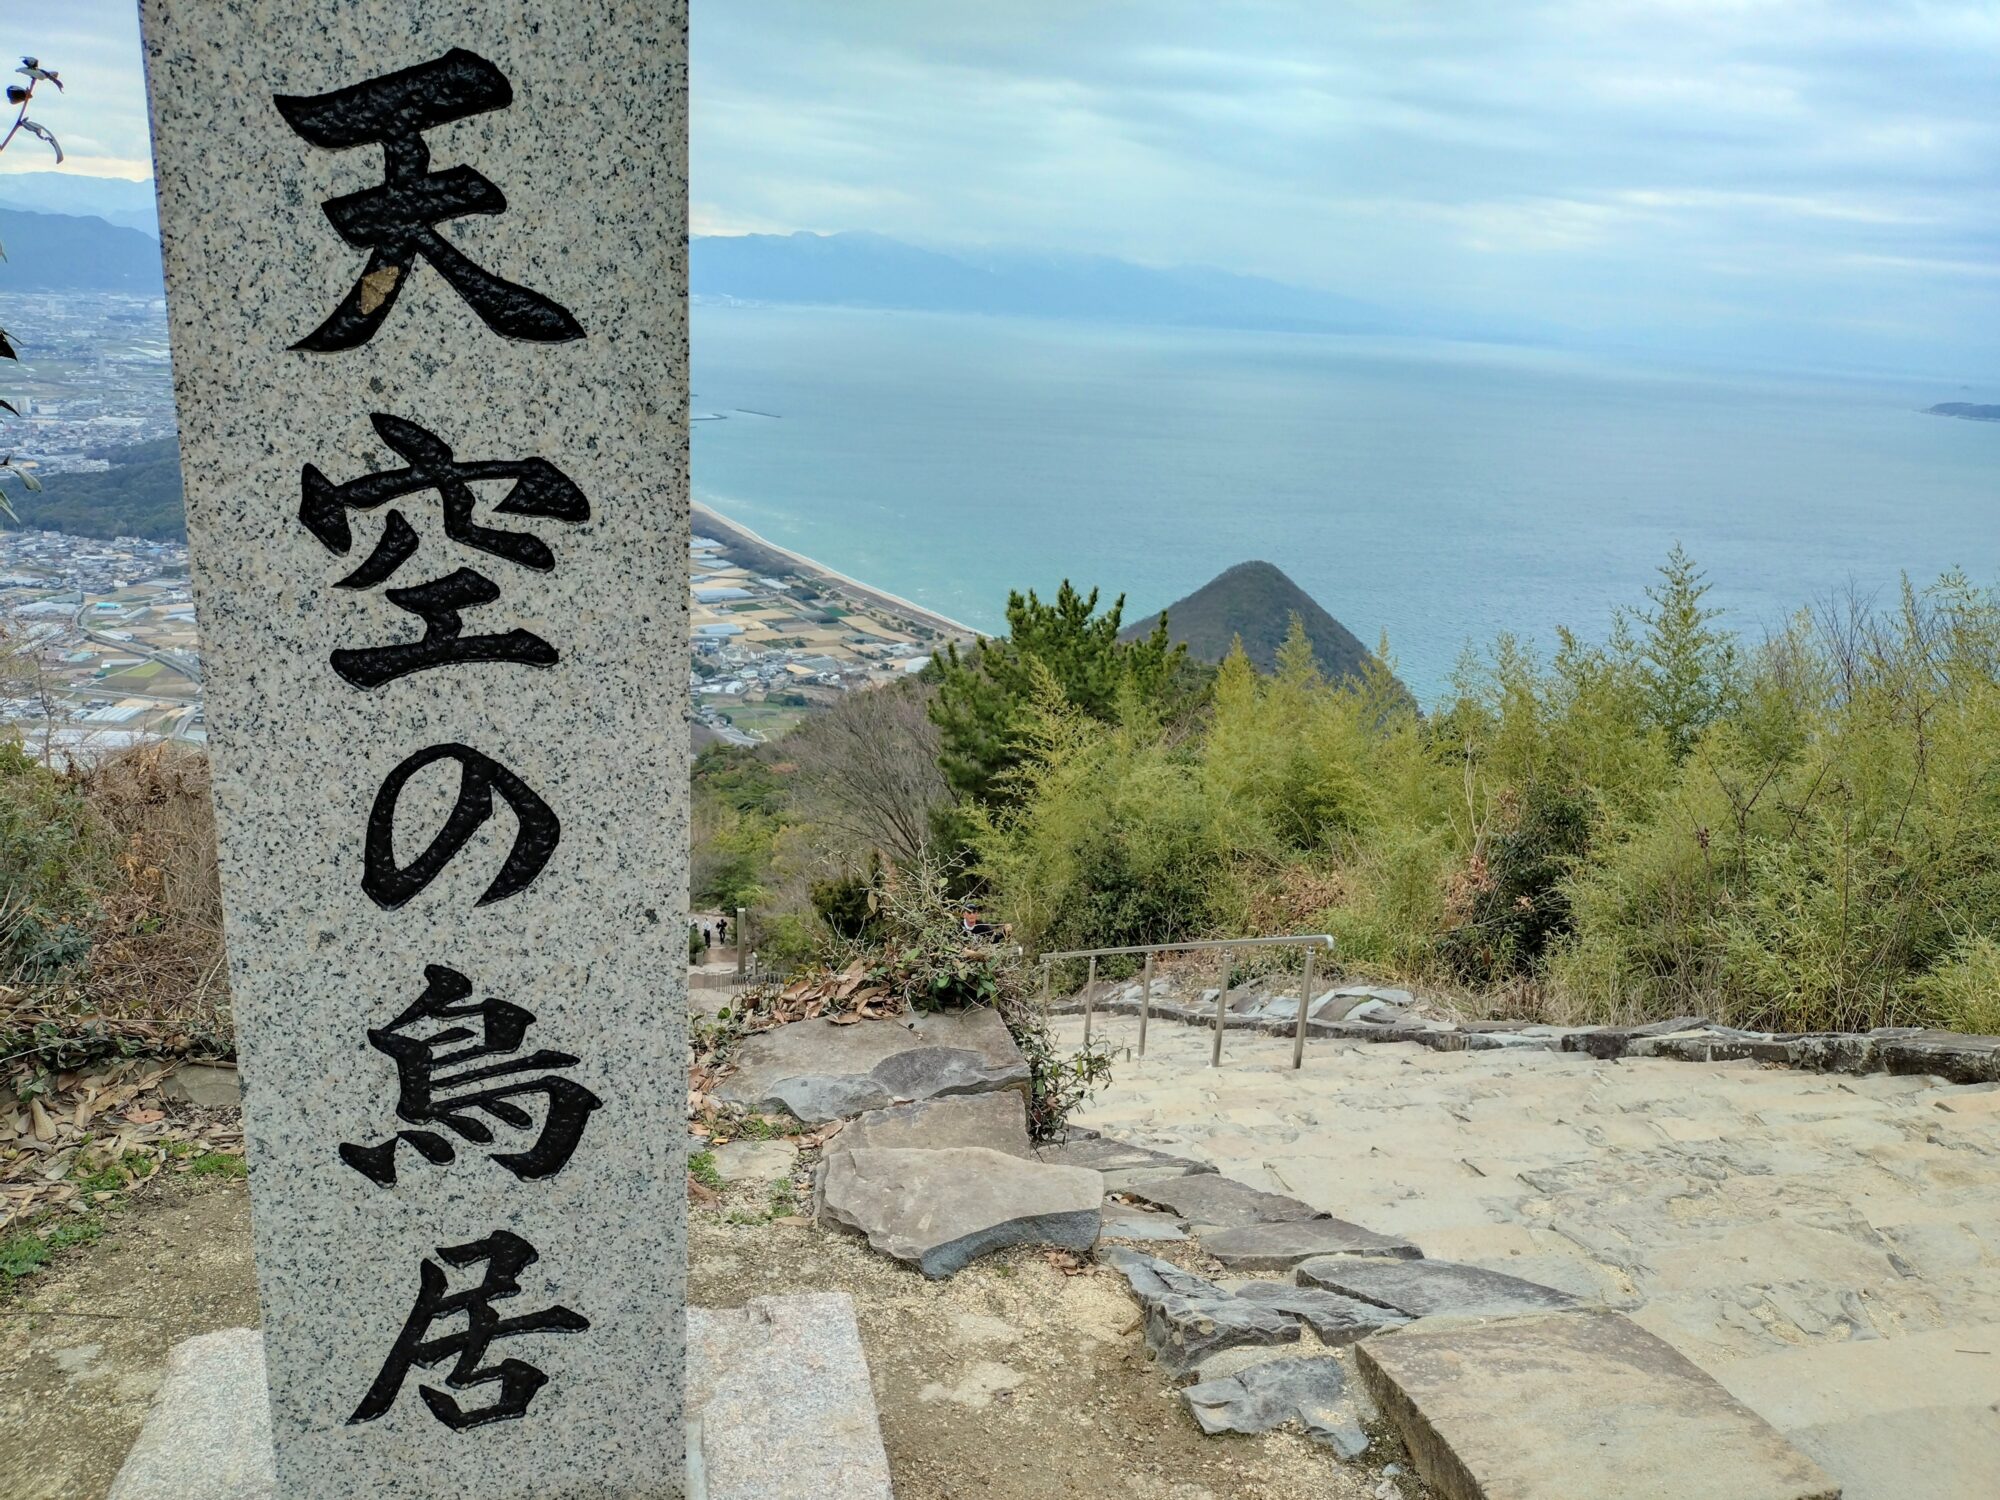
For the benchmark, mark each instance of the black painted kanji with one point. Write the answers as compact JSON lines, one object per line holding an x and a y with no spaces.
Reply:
{"x":396,"y":223}
{"x":449,"y":1077}
{"x":505,"y":1256}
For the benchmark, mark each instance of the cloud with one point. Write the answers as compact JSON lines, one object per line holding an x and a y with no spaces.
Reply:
{"x":1826,"y":172}
{"x":1526,"y":157}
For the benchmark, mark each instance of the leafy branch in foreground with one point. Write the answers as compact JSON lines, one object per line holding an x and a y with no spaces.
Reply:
{"x":22,"y":95}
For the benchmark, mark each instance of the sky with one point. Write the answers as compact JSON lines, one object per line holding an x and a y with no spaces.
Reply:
{"x":1815,"y":181}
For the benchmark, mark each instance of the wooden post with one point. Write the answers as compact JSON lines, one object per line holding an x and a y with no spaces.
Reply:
{"x":1145,"y":1003}
{"x":1305,"y":999}
{"x":742,"y":942}
{"x":1221,"y":1009}
{"x":1089,"y":1000}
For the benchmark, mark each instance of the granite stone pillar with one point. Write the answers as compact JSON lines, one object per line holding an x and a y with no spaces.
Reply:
{"x":427,"y":278}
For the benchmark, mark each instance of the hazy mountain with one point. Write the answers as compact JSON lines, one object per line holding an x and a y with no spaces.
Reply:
{"x":870,"y":270}
{"x":129,"y":205}
{"x":68,"y":253}
{"x":1254,"y":602}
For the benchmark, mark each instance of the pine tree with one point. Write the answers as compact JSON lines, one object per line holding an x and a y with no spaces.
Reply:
{"x":984,"y":696}
{"x":1690,"y":670}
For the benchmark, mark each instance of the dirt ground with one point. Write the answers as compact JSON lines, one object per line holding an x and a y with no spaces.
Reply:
{"x":84,"y":1344}
{"x":1011,"y":1381}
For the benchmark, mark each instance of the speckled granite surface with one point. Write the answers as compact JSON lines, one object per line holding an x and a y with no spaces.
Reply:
{"x":553,"y":328}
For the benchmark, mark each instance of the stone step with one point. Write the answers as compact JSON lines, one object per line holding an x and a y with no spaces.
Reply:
{"x":1574,"y":1406}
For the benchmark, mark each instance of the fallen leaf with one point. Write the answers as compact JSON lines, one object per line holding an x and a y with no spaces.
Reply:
{"x":45,"y":1128}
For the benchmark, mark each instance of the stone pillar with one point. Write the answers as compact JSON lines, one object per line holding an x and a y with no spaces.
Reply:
{"x":427,"y":279}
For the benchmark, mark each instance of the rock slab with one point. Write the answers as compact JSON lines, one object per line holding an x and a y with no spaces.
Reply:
{"x":1575,"y":1406}
{"x":1208,"y":1199}
{"x":996,"y":1122}
{"x":1101,"y":1154}
{"x":780,"y":1405}
{"x":1263,"y":1397}
{"x":1334,"y":1319}
{"x":204,"y":1085}
{"x":209,"y":1431}
{"x":1189,"y":1319}
{"x":817,"y":1071}
{"x":1281,"y":1246}
{"x":939,"y":1210}
{"x":1431,"y":1288}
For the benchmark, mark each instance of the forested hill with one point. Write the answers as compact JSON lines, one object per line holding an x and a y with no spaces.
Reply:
{"x":1255,"y":602}
{"x":139,"y":495}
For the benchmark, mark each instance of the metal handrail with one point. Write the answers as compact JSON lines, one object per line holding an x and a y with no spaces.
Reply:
{"x":1313,"y":941}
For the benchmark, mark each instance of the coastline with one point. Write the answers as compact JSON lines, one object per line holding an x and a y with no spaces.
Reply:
{"x":710,"y":522}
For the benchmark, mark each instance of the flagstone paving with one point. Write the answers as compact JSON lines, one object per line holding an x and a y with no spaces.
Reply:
{"x":1825,"y":1246}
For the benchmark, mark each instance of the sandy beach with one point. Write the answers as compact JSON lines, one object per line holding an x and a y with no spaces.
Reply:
{"x":712,"y":523}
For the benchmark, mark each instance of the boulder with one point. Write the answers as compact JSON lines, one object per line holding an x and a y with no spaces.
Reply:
{"x":1281,"y":1246}
{"x":1207,"y":1199}
{"x":1266,"y":1396}
{"x":1430,"y":1288}
{"x":1188,"y":1318}
{"x":997,"y":1122}
{"x":816,"y":1071}
{"x":939,"y":1209}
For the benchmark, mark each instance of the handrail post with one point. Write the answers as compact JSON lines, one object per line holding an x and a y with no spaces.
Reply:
{"x":1305,"y":999}
{"x":1048,"y":983}
{"x":742,"y":943}
{"x":1145,"y":1002}
{"x":1221,"y":1008}
{"x":1089,"y":1000}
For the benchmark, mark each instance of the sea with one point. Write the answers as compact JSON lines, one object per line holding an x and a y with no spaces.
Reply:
{"x":1431,"y":492}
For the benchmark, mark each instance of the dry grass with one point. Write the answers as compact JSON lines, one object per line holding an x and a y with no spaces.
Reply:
{"x":158,"y":954}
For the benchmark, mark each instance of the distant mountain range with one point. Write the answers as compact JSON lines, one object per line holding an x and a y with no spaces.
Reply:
{"x":1966,"y":409}
{"x":871,"y":270}
{"x":1254,"y":602}
{"x":129,"y":205}
{"x":71,"y":253}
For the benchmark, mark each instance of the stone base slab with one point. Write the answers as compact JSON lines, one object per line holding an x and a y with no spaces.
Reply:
{"x":779,"y":1408}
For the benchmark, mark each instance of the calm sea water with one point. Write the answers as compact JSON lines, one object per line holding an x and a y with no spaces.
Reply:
{"x":1438,"y":492}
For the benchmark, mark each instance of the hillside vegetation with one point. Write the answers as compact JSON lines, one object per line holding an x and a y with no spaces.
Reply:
{"x":1798,"y":832}
{"x":139,"y":495}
